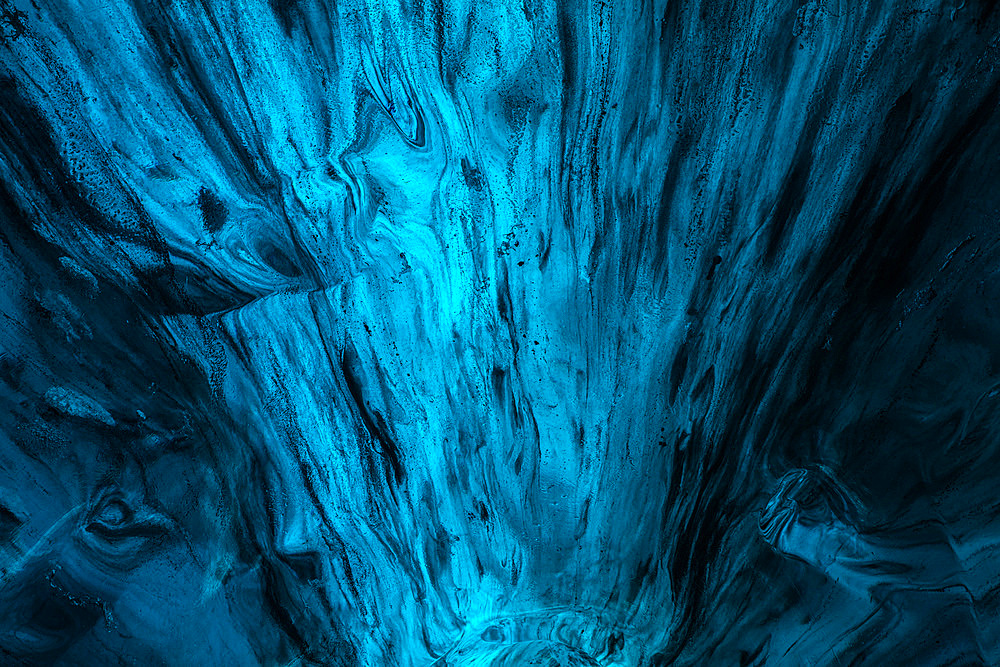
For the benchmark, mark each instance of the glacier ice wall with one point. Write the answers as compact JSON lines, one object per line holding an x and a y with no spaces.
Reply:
{"x":426,"y":332}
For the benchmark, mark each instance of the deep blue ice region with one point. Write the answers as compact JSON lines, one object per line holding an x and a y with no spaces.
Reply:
{"x":437,"y":333}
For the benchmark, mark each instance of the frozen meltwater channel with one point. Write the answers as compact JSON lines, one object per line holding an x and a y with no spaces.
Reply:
{"x":425,"y":332}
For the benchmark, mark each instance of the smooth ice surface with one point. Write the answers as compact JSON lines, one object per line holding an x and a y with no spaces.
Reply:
{"x":442,"y":333}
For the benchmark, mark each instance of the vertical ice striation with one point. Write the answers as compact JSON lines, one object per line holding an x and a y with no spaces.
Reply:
{"x":426,"y":332}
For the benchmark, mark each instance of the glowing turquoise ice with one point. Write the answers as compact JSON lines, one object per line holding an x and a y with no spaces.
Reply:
{"x":439,"y":333}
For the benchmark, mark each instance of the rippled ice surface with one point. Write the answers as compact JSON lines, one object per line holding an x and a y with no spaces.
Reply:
{"x":426,"y":332}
